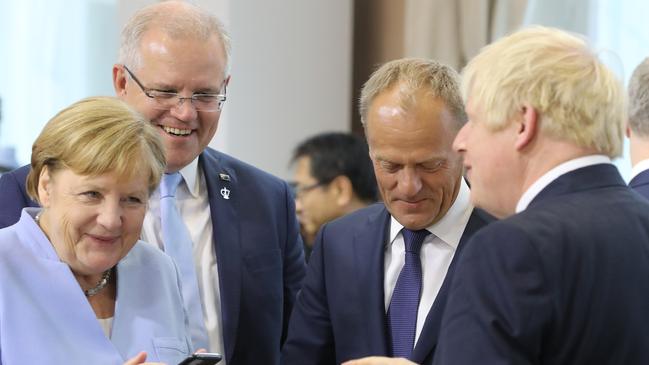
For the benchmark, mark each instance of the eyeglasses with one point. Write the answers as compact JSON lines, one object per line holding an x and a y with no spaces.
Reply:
{"x":299,"y":191}
{"x":166,"y":100}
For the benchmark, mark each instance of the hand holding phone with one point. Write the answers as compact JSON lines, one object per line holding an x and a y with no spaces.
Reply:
{"x":204,"y":358}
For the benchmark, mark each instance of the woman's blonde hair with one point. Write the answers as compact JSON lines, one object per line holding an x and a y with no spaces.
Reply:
{"x":95,"y":136}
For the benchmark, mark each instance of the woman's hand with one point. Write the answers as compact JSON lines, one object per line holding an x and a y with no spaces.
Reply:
{"x":140,"y":359}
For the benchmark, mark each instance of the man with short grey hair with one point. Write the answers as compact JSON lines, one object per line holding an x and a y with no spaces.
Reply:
{"x":377,"y":279}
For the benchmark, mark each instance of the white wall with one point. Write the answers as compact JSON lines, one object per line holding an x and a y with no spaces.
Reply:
{"x":291,"y":74}
{"x":52,"y":54}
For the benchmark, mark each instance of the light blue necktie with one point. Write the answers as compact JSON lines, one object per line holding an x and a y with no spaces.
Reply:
{"x":402,"y":313}
{"x":178,"y":245}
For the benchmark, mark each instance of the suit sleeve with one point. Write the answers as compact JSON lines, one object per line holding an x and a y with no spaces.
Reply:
{"x":12,"y":197}
{"x":310,"y":337}
{"x":294,"y":263}
{"x":498,"y":304}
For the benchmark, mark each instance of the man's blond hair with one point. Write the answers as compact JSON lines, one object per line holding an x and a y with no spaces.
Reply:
{"x":578,"y":98}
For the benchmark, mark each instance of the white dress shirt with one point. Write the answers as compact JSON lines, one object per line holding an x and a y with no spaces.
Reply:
{"x":554,"y":174}
{"x":106,"y":325}
{"x":193,"y":204}
{"x":436,"y":254}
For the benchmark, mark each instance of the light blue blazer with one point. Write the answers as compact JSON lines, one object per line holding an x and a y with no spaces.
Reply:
{"x":46,"y":319}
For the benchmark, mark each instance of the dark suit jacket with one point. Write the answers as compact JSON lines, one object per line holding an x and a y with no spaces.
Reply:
{"x":13,"y":196}
{"x":640,"y":183}
{"x":340,"y":311}
{"x":258,"y":250}
{"x":564,"y":282}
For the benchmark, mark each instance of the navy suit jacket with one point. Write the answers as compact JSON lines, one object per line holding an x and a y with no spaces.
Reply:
{"x":13,"y":196}
{"x":640,"y":183}
{"x":566,"y":281}
{"x":340,"y":311}
{"x":258,"y":250}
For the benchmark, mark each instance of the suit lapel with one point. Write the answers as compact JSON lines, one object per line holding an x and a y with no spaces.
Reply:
{"x":221,"y":182}
{"x":429,"y":334}
{"x":369,"y":247}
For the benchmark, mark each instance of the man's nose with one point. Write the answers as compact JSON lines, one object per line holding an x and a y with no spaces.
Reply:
{"x":184,"y":110}
{"x":409,"y":182}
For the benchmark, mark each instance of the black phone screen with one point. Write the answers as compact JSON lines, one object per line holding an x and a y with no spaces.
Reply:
{"x":204,"y":358}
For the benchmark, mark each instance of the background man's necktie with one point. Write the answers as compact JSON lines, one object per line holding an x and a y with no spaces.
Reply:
{"x":178,"y":245}
{"x":402,"y":313}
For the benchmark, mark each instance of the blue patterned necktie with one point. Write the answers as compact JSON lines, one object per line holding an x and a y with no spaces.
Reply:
{"x":178,"y":245}
{"x":402,"y":313}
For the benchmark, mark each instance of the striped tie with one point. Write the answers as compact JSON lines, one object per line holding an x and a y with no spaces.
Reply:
{"x":402,"y":313}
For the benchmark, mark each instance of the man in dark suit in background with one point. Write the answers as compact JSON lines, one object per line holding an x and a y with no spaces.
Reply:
{"x":377,"y":280}
{"x":638,"y":128}
{"x":333,"y":177}
{"x":245,"y":244}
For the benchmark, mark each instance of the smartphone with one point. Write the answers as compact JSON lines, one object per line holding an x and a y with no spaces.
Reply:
{"x":204,"y":358}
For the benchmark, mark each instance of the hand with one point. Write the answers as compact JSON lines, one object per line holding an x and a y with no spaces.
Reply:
{"x":140,"y":359}
{"x":378,"y":360}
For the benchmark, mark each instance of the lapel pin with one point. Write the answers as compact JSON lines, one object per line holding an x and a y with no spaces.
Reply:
{"x":225,"y":193}
{"x":224,"y":177}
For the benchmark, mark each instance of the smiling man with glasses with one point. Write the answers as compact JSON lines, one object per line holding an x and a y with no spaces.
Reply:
{"x":175,"y":64}
{"x":241,"y":228}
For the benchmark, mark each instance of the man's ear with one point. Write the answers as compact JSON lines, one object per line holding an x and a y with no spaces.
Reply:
{"x":227,"y":80}
{"x":44,"y":187}
{"x":627,"y":131}
{"x":527,"y":126}
{"x":119,"y":80}
{"x":343,"y":189}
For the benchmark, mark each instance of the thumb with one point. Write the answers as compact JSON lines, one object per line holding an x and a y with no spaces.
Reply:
{"x":138,"y":359}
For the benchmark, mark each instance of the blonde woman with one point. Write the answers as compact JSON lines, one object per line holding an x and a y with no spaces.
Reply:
{"x":77,"y":286}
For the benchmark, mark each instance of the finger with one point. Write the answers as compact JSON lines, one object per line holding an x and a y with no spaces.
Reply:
{"x":372,"y":360}
{"x":137,"y":359}
{"x":377,"y":360}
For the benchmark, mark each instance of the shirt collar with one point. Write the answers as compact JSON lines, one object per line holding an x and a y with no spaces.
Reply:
{"x":638,"y":168}
{"x":554,"y":174}
{"x":190,"y":175}
{"x":32,"y":234}
{"x":451,"y":226}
